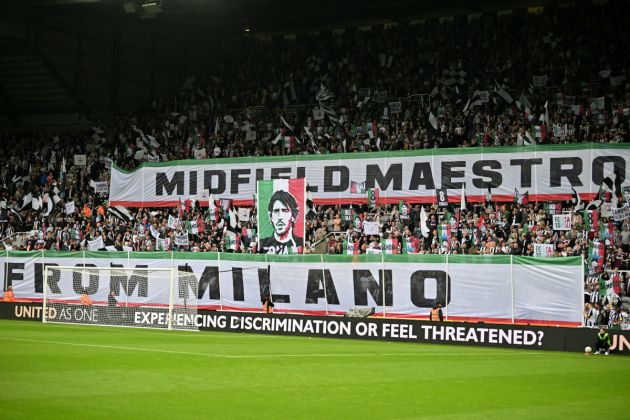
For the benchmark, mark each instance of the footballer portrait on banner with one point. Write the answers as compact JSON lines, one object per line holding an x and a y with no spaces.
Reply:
{"x":280,"y":212}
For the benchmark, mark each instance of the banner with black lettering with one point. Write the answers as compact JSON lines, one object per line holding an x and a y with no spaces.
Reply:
{"x":545,"y":172}
{"x":471,"y":288}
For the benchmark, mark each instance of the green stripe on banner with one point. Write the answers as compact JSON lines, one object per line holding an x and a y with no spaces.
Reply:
{"x":106,"y":254}
{"x":64,"y":254}
{"x":548,"y":261}
{"x":381,"y":155}
{"x":479,"y":259}
{"x":413,"y":258}
{"x":23,"y":254}
{"x":151,"y":255}
{"x":295,"y":258}
{"x":208,"y":256}
{"x":229,"y":256}
{"x":264,"y":193}
{"x":357,"y":258}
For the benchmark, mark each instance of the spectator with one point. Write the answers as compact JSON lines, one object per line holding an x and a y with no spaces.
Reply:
{"x":8,"y":295}
{"x":436,"y":313}
{"x":603,"y":341}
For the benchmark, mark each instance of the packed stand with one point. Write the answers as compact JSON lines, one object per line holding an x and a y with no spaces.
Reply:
{"x":436,"y":84}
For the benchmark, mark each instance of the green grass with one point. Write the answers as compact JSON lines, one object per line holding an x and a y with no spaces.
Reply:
{"x":69,"y":371}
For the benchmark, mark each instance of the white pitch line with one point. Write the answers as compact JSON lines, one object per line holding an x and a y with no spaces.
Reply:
{"x":268,"y":356}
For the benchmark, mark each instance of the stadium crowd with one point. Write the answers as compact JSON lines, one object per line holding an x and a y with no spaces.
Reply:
{"x":560,"y":76}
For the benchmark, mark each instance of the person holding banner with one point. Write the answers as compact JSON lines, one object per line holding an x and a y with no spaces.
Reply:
{"x":283,"y":212}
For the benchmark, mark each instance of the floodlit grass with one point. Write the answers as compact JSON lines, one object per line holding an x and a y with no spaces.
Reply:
{"x":70,"y":371}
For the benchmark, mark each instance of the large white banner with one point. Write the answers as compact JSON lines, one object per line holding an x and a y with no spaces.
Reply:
{"x":546,"y":172}
{"x":471,"y":288}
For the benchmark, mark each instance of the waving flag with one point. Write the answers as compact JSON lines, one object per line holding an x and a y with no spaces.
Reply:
{"x":173,"y":222}
{"x":607,"y":232}
{"x":404,"y":210}
{"x":248,"y":233}
{"x":231,"y":241}
{"x":357,"y":187}
{"x":389,"y":246}
{"x":191,"y":227}
{"x":444,"y":232}
{"x":411,"y":245}
{"x":373,"y":196}
{"x":521,"y":198}
{"x":351,"y":247}
{"x":596,"y":254}
{"x":357,"y":222}
{"x":591,"y":220}
{"x":423,"y":223}
{"x":553,"y":208}
{"x":576,"y":201}
{"x":325,"y":98}
{"x":213,"y":211}
{"x":463,"y":202}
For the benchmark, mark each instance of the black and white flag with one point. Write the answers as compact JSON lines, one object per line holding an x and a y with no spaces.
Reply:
{"x":325,"y":97}
{"x":120,"y":212}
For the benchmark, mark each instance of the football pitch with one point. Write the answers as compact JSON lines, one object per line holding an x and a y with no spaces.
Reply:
{"x":72,"y":371}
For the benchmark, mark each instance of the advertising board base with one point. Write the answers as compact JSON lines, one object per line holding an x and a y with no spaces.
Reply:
{"x":385,"y":329}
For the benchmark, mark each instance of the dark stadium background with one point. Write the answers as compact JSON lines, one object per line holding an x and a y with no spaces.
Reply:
{"x":65,"y":61}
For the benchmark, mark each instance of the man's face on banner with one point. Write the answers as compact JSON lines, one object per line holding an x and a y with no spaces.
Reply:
{"x":404,"y":209}
{"x":281,"y":218}
{"x":626,"y":194}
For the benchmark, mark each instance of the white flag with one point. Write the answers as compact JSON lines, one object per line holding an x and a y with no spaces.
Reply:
{"x":70,"y":207}
{"x":96,"y":244}
{"x":433,"y":121}
{"x":423,"y":223}
{"x":28,"y":198}
{"x":173,"y":222}
{"x":36,"y":203}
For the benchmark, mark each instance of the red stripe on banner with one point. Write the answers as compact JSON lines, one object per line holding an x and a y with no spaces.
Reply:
{"x":416,"y":317}
{"x":243,"y":203}
{"x":297,"y":187}
{"x":430,"y":199}
{"x":393,"y":315}
{"x":490,"y":320}
{"x":214,"y":307}
{"x":170,"y":203}
{"x":455,"y":198}
{"x":203,"y":203}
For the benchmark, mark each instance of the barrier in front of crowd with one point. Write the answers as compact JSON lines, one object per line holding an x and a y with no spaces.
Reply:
{"x":498,"y":289}
{"x":406,"y":330}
